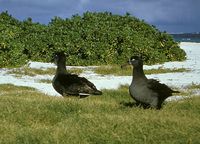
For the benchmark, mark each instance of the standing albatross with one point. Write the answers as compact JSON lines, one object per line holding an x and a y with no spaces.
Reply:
{"x":147,"y":92}
{"x":68,"y":84}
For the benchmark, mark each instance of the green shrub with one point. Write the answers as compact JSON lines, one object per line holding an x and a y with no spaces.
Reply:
{"x":91,"y":39}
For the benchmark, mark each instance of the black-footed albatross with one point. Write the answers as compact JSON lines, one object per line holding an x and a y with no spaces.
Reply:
{"x":147,"y":92}
{"x":68,"y":84}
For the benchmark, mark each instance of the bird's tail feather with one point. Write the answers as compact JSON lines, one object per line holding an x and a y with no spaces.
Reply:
{"x":176,"y":91}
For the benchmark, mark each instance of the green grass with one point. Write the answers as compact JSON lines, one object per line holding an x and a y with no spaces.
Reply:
{"x":165,"y":70}
{"x":27,"y":116}
{"x":127,"y":71}
{"x":45,"y":81}
{"x":103,"y":70}
{"x":33,"y":72}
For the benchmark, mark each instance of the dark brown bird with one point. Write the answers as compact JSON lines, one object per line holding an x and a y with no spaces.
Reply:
{"x":147,"y":92}
{"x":68,"y":84}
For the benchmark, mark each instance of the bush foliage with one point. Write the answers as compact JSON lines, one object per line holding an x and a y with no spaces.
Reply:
{"x":90,"y":39}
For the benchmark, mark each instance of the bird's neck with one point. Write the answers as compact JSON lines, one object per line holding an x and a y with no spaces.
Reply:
{"x":138,"y":73}
{"x":61,"y":68}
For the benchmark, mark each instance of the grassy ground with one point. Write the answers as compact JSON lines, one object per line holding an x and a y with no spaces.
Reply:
{"x":103,"y":70}
{"x":27,"y":116}
{"x":33,"y":72}
{"x":127,"y":71}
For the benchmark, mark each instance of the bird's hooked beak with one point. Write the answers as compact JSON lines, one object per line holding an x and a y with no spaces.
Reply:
{"x":54,"y":59}
{"x":126,"y":64}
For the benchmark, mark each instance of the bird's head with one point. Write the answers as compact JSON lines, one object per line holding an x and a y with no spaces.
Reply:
{"x":58,"y":56}
{"x":134,"y":61}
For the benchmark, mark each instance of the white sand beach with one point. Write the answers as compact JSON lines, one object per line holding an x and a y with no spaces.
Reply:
{"x":179,"y":80}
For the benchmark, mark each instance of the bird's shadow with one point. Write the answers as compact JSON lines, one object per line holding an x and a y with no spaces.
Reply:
{"x":129,"y":104}
{"x":135,"y":104}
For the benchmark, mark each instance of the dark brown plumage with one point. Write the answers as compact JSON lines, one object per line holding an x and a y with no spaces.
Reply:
{"x":68,"y":84}
{"x":147,"y":92}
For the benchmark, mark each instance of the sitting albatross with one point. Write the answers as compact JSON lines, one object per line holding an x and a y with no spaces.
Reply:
{"x":147,"y":92}
{"x":68,"y":84}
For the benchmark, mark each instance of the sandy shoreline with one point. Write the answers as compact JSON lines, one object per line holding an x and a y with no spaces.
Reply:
{"x":179,"y":80}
